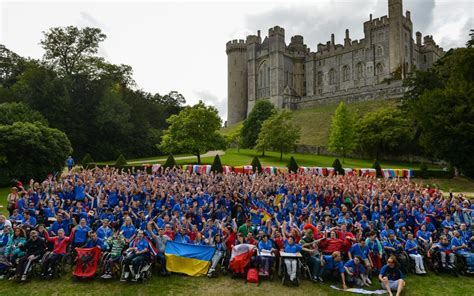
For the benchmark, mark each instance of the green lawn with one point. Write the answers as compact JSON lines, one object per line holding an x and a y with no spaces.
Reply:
{"x":233,"y":157}
{"x":150,"y":158}
{"x":183,"y":285}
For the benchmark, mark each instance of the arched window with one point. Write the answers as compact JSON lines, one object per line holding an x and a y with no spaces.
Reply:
{"x":320,"y":78}
{"x":332,"y":76}
{"x":379,"y":69}
{"x":346,"y":73}
{"x":263,"y":80}
{"x":359,"y":70}
{"x":379,"y":50}
{"x":268,"y":76}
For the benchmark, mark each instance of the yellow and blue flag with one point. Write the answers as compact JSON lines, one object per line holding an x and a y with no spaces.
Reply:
{"x":188,"y":259}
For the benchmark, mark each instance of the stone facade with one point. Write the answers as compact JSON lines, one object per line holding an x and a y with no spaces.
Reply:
{"x":292,"y":76}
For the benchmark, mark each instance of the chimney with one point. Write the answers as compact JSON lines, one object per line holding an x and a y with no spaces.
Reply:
{"x":332,"y":39}
{"x":258,"y":33}
{"x":418,"y":38}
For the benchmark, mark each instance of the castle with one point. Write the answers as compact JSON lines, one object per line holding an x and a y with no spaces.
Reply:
{"x":293,"y":77}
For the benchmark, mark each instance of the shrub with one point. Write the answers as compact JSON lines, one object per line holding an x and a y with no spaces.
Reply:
{"x":292,"y":165}
{"x":338,"y":167}
{"x":217,"y":165}
{"x":121,"y":161}
{"x":170,"y":162}
{"x":256,"y":165}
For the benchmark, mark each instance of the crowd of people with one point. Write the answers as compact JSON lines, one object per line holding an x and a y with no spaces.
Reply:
{"x":347,"y":228}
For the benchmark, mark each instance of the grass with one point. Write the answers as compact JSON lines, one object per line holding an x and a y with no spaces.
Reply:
{"x":456,"y":184}
{"x":183,"y":285}
{"x":151,"y":158}
{"x":317,"y":120}
{"x":233,"y":157}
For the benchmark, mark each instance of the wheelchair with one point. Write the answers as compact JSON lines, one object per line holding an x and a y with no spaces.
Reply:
{"x":144,"y":270}
{"x":433,"y":261}
{"x":55,"y":270}
{"x":285,"y":277}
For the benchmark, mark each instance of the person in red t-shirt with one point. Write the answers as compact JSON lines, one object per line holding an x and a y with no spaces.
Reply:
{"x":59,"y":250}
{"x":332,"y":243}
{"x":348,"y":238}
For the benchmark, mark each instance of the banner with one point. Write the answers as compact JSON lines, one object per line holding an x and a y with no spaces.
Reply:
{"x":188,"y":259}
{"x":86,"y":263}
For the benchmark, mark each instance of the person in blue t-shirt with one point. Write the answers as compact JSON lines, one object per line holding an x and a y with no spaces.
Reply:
{"x":104,"y":231}
{"x":445,"y":249}
{"x":333,"y":267}
{"x":411,"y":247}
{"x":290,"y":246}
{"x":355,"y":271}
{"x":460,"y":246}
{"x":128,"y":230}
{"x":81,"y":232}
{"x":391,"y":277}
{"x":136,"y":254}
{"x":265,"y":245}
{"x":70,"y":162}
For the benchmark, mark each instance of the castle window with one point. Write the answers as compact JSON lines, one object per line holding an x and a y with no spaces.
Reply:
{"x":332,"y":77}
{"x":268,"y":77}
{"x":424,"y":58}
{"x":359,"y":70}
{"x":379,"y":50}
{"x":379,"y":69}
{"x":406,"y":50}
{"x":320,"y":78}
{"x":263,"y":80}
{"x":346,"y":73}
{"x":286,"y":78}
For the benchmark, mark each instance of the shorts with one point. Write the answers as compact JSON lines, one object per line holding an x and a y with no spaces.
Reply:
{"x":393,"y":285}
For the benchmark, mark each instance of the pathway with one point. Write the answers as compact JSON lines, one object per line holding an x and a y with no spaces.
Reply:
{"x":151,"y":161}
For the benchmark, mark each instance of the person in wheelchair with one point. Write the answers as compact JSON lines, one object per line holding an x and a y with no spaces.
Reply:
{"x":460,"y":247}
{"x":117,"y":243}
{"x":392,"y":246}
{"x":424,"y":237}
{"x":445,"y":250}
{"x":218,"y":244}
{"x":291,"y":263}
{"x":60,"y":243}
{"x":136,"y":255}
{"x":34,"y":249}
{"x":411,"y":247}
{"x":312,"y":256}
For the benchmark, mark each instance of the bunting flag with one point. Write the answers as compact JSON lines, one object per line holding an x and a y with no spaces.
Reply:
{"x":397,"y":173}
{"x":248,"y":169}
{"x":86,"y":262}
{"x":155,"y":168}
{"x":227,"y":169}
{"x":192,"y":260}
{"x":276,"y":202}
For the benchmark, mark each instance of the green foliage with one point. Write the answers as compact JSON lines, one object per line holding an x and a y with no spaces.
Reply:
{"x":470,"y":42}
{"x":19,"y":112}
{"x":256,"y":165}
{"x":377,"y":168}
{"x":67,"y":48}
{"x":194,"y":130}
{"x":32,"y":150}
{"x":170,"y":162}
{"x":262,"y":110}
{"x":338,"y":167}
{"x":292,"y":165}
{"x":445,"y":114}
{"x":385,"y":131}
{"x":423,"y":167}
{"x":217,"y":165}
{"x":279,"y":133}
{"x":87,"y":160}
{"x":342,"y":132}
{"x":235,"y":137}
{"x":121,"y":161}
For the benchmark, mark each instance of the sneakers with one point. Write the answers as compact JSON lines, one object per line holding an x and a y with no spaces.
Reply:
{"x":23,"y":278}
{"x":320,"y":279}
{"x":106,"y":276}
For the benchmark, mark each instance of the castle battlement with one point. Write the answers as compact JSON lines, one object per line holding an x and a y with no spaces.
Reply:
{"x":292,"y":76}
{"x":236,"y":45}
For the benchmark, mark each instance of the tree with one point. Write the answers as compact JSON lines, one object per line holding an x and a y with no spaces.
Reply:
{"x":262,"y":110}
{"x":470,"y":42}
{"x":338,"y":167}
{"x":445,"y":114}
{"x":19,"y":112}
{"x":121,"y":161}
{"x":384,"y":131}
{"x":342,"y":132}
{"x":217,"y":165}
{"x":235,"y":138}
{"x":256,"y":165}
{"x":170,"y":162}
{"x":31,"y":150}
{"x":377,"y":168}
{"x":67,"y":48}
{"x":194,"y":130}
{"x":292,"y":165}
{"x":279,"y":133}
{"x":87,"y":160}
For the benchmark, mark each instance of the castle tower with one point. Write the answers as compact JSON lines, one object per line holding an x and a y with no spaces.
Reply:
{"x":276,"y":36}
{"x":236,"y":81}
{"x":395,"y":17}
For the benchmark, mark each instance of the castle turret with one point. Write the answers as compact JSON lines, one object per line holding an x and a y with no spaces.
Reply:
{"x":236,"y":81}
{"x":395,"y":15}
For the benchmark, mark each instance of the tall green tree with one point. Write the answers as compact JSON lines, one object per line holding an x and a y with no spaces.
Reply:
{"x":262,"y":110}
{"x":384,"y":131}
{"x":194,"y":130}
{"x":279,"y":133}
{"x":68,"y":48}
{"x":32,"y":150}
{"x":342,"y":132}
{"x":14,"y":112}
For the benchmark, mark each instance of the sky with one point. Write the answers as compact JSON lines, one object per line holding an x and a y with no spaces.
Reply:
{"x":180,"y":45}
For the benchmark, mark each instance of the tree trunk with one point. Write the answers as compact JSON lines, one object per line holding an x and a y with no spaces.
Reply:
{"x":281,"y":155}
{"x":199,"y":157}
{"x":263,"y":152}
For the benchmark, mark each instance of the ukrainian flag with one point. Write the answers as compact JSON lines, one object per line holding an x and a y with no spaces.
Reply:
{"x":188,"y":259}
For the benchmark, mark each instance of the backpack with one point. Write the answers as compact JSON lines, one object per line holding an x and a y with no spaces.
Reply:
{"x":252,"y":276}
